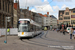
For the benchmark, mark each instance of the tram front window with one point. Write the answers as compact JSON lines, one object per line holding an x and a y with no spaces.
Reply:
{"x":23,"y":28}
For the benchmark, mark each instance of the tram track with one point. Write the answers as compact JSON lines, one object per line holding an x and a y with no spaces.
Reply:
{"x":44,"y":37}
{"x":39,"y":43}
{"x":29,"y":41}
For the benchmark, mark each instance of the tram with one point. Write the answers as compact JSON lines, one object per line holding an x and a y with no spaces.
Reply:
{"x":28,"y":28}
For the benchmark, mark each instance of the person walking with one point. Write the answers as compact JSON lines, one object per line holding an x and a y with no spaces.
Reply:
{"x":65,"y":27}
{"x":70,"y":32}
{"x":74,"y":33}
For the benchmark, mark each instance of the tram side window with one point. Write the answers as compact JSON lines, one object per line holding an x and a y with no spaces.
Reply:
{"x":32,"y":28}
{"x":36,"y":28}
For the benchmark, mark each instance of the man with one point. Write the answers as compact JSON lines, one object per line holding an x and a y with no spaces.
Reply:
{"x":70,"y":32}
{"x":65,"y":27}
{"x":74,"y":33}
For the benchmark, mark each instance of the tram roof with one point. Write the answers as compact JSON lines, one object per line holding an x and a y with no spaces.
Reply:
{"x":25,"y":19}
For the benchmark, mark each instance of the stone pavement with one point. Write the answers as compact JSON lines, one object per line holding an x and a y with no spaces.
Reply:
{"x":51,"y":39}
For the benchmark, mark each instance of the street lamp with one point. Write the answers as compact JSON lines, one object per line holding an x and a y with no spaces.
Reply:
{"x":7,"y":19}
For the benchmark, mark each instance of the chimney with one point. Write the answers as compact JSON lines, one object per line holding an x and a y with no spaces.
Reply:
{"x":27,"y":8}
{"x":47,"y":13}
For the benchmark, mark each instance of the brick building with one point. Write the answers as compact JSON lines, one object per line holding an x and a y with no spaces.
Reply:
{"x":6,"y":10}
{"x":16,"y":13}
{"x":27,"y":13}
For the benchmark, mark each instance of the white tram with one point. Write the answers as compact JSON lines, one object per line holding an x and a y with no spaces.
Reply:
{"x":28,"y":28}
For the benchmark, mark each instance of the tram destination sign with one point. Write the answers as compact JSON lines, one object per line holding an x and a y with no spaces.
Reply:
{"x":23,"y":21}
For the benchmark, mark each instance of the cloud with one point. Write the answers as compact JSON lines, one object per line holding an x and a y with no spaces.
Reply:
{"x":33,"y":10}
{"x":56,"y":7}
{"x":47,"y":8}
{"x":31,"y":3}
{"x":45,"y":0}
{"x":58,"y":0}
{"x":63,"y":7}
{"x":43,"y":9}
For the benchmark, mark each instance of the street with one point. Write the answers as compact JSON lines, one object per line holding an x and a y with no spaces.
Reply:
{"x":47,"y":40}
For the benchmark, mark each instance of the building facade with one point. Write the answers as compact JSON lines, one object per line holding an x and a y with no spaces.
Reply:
{"x":49,"y":21}
{"x":27,"y":13}
{"x":16,"y":13}
{"x":67,"y":16}
{"x":53,"y":21}
{"x":72,"y":17}
{"x":6,"y":10}
{"x":38,"y":18}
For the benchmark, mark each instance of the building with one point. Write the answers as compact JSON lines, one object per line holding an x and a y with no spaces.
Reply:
{"x":72,"y":17}
{"x":46,"y":20}
{"x":27,"y":13}
{"x":37,"y":17}
{"x":49,"y":21}
{"x":53,"y":21}
{"x":16,"y":13}
{"x":22,"y":15}
{"x":67,"y":16}
{"x":64,"y":16}
{"x":6,"y":10}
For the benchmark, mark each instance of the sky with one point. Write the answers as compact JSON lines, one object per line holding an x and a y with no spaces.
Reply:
{"x":44,"y":6}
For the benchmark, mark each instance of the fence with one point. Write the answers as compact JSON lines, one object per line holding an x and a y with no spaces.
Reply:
{"x":13,"y":31}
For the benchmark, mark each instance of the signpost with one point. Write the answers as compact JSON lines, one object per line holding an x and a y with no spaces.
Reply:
{"x":7,"y":19}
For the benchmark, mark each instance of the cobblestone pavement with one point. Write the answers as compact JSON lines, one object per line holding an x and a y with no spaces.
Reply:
{"x":47,"y":40}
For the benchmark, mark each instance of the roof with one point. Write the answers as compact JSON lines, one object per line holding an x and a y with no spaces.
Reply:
{"x":64,"y":10}
{"x":72,"y":9}
{"x":15,"y":5}
{"x":53,"y":16}
{"x":45,"y":15}
{"x":40,"y":14}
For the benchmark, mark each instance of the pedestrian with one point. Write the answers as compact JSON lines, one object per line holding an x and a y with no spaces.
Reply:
{"x":74,"y":33}
{"x":63,"y":32}
{"x":70,"y":32}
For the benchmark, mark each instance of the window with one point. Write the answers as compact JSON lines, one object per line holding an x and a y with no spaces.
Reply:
{"x":23,"y":28}
{"x":67,"y":13}
{"x":3,"y":5}
{"x":72,"y":21}
{"x":46,"y":23}
{"x":46,"y":20}
{"x":0,"y":17}
{"x":66,"y":17}
{"x":73,"y":11}
{"x":8,"y":7}
{"x":60,"y":19}
{"x":3,"y":20}
{"x":65,"y":22}
{"x":0,"y":4}
{"x":60,"y":15}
